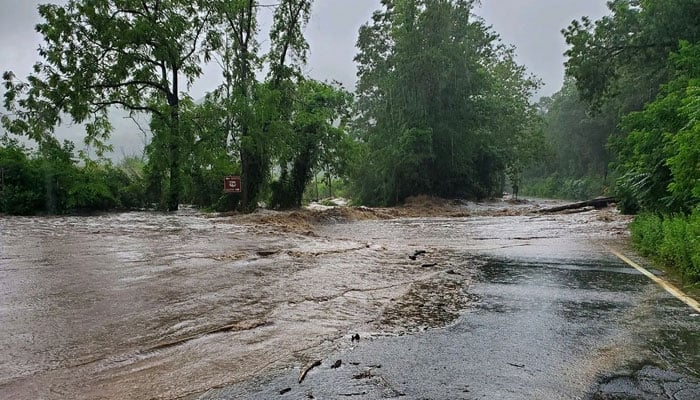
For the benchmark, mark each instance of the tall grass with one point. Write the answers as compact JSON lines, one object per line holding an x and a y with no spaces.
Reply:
{"x":673,"y":241}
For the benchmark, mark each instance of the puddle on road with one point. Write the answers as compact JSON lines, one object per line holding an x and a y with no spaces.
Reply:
{"x":646,"y":382}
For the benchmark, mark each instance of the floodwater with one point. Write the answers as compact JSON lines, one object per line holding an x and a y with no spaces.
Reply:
{"x":148,"y":305}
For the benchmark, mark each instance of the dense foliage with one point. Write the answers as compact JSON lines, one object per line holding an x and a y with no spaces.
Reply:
{"x":623,"y":57}
{"x":100,"y":53}
{"x":141,"y":56}
{"x":52,"y":180}
{"x":622,"y":62}
{"x":443,"y":108}
{"x":671,"y":240}
{"x":574,"y":163}
{"x":641,"y":64}
{"x":661,"y":153}
{"x":316,"y":140}
{"x":617,"y":64}
{"x":661,"y":157}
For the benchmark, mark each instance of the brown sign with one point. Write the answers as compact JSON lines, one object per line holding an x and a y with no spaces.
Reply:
{"x":232,"y":184}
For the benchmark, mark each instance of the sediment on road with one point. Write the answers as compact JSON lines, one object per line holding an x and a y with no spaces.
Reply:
{"x":304,"y":220}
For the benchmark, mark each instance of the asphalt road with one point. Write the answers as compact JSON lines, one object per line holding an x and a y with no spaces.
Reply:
{"x":550,"y":314}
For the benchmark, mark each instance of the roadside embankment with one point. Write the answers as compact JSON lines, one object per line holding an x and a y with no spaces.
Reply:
{"x":672,"y":241}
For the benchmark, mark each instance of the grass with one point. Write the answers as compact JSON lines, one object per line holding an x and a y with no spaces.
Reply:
{"x":671,"y":240}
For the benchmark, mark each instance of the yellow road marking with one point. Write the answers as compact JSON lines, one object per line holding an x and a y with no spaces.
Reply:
{"x":669,"y":287}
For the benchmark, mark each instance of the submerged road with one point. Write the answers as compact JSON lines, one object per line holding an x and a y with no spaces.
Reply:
{"x":498,"y":304}
{"x":551,"y":314}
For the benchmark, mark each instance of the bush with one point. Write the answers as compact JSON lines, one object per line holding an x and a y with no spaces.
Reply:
{"x":19,"y":193}
{"x":647,"y":233}
{"x":673,"y":241}
{"x":673,"y":249}
{"x":16,"y":200}
{"x":90,"y":190}
{"x":557,"y":187}
{"x":50,"y":181}
{"x":693,"y":235}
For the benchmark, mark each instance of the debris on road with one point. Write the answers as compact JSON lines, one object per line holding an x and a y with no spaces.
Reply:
{"x":600,"y":202}
{"x":308,"y":368}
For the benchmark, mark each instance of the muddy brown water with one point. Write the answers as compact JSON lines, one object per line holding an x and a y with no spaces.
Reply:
{"x":149,"y":305}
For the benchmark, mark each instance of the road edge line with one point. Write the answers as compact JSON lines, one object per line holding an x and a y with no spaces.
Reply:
{"x":664,"y":284}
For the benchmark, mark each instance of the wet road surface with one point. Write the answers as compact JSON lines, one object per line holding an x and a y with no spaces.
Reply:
{"x":146,"y":305}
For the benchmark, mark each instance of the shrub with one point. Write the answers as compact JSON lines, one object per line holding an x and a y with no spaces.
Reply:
{"x":558,"y":187}
{"x":673,"y":249}
{"x":647,"y":233}
{"x":49,"y":180}
{"x":673,"y":241}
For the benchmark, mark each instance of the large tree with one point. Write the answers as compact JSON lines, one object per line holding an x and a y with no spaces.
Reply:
{"x":317,"y":139}
{"x":242,"y":126}
{"x":623,"y":57}
{"x":238,"y":95}
{"x":578,"y":138}
{"x":621,"y":62}
{"x":133,"y":54}
{"x":256,"y":115}
{"x":442,"y":104}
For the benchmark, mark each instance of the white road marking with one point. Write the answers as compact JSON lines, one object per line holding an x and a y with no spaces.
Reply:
{"x":664,"y":284}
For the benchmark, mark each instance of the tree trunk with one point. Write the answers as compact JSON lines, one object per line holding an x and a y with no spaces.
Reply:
{"x":330,"y":186}
{"x":246,"y":188}
{"x":254,"y":172}
{"x":301,"y":176}
{"x":601,"y":202}
{"x":174,"y":146}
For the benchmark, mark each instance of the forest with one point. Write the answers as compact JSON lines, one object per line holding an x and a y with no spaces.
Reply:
{"x":441,"y":108}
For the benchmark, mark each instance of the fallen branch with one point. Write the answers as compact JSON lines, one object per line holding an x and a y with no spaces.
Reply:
{"x":600,"y":202}
{"x":307,"y":369}
{"x":579,"y":210}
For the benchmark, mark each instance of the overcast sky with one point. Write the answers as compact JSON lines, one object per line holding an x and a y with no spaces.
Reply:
{"x":533,"y":26}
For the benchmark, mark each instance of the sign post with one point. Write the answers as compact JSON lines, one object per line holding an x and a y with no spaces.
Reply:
{"x":232,"y":184}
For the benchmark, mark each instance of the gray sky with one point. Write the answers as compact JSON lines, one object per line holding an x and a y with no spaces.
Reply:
{"x":533,"y":26}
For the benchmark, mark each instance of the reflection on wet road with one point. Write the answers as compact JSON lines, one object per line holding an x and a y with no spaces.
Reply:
{"x":146,"y":305}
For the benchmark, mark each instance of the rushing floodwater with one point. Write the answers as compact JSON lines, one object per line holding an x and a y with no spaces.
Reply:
{"x":148,"y":305}
{"x":143,"y":304}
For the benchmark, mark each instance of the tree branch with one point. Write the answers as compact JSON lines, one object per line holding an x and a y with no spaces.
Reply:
{"x":102,"y":105}
{"x":196,"y":39}
{"x":117,"y":85}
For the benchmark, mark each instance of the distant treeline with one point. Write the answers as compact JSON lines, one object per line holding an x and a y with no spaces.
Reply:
{"x":49,"y":180}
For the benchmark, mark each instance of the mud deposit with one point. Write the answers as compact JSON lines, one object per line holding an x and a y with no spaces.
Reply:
{"x":148,"y":305}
